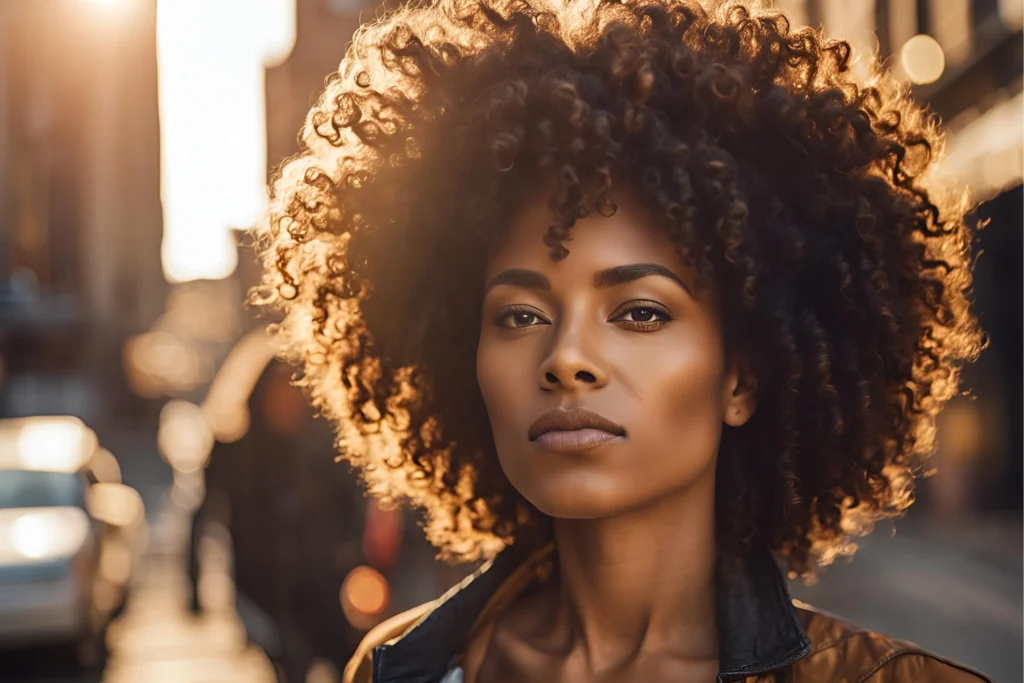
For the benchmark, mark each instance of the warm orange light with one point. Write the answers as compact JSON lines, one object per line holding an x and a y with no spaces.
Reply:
{"x":159,"y":362}
{"x":364,"y":595}
{"x":226,"y":405}
{"x":961,"y":432}
{"x":322,"y":671}
{"x":922,"y":59}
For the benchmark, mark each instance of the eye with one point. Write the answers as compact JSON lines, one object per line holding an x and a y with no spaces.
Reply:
{"x":644,"y":316}
{"x":517,"y":317}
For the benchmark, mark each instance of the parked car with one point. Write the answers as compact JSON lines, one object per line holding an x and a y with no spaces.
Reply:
{"x":316,"y":562}
{"x":69,"y":535}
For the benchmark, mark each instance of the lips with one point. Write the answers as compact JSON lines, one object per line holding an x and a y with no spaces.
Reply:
{"x":578,"y":429}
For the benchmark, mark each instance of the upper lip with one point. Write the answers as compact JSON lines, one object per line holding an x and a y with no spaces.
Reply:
{"x":568,"y":420}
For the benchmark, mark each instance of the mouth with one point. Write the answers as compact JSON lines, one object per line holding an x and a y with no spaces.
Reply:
{"x":579,"y":429}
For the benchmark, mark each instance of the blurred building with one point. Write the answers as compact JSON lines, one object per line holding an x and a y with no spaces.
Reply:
{"x":324,"y":29}
{"x":80,"y":218}
{"x":964,"y":61}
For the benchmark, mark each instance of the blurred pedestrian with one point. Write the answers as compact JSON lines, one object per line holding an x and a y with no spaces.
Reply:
{"x":295,"y":521}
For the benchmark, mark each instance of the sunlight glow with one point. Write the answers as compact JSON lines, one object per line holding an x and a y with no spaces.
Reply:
{"x":211,"y":60}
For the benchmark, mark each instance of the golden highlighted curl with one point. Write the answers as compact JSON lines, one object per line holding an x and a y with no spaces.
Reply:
{"x":798,"y":192}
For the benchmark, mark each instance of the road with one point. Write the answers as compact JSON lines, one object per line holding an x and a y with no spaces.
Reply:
{"x":951,"y":587}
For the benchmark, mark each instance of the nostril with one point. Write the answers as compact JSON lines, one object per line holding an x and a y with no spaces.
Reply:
{"x":581,"y":376}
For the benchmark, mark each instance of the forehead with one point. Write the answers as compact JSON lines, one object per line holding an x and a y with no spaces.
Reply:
{"x":629,"y":236}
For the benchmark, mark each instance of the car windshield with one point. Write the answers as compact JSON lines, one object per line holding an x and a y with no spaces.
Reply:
{"x":23,"y":488}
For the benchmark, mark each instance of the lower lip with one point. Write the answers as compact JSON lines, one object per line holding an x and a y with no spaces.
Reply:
{"x":573,"y":441}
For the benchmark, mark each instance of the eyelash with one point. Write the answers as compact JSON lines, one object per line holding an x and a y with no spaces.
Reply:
{"x":639,"y":325}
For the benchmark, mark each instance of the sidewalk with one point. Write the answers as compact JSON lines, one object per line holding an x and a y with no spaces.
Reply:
{"x":157,"y":640}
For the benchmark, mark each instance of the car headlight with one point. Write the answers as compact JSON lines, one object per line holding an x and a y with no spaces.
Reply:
{"x":35,"y":534}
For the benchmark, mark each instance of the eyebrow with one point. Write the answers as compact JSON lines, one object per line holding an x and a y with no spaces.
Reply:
{"x":609,"y":277}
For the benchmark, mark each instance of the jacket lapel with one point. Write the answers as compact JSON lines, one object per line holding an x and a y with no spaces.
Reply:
{"x":759,"y":628}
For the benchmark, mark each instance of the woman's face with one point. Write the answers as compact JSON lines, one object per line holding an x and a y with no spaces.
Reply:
{"x":604,"y":374}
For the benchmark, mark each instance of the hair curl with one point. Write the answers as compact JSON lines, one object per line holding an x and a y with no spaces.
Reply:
{"x":797,"y":191}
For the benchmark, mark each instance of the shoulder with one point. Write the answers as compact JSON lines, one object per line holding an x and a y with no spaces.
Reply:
{"x":360,"y":667}
{"x":867,"y":657}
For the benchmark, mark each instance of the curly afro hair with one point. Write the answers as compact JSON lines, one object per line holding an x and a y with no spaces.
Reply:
{"x":796,"y":191}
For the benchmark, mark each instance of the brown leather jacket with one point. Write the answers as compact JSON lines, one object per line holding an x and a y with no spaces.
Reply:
{"x":765,"y":636}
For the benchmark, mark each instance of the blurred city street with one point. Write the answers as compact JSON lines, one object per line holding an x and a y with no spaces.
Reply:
{"x":164,"y":487}
{"x":157,"y":639}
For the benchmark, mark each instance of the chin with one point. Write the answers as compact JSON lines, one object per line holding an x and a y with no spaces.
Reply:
{"x":577,"y":494}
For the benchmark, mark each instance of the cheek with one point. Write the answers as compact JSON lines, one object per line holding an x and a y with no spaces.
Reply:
{"x":499,"y":378}
{"x":485,"y":376}
{"x":680,"y":417}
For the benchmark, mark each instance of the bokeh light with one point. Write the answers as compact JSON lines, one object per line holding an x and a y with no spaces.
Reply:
{"x":53,"y":444}
{"x":105,"y":467}
{"x":28,"y":535}
{"x":158,"y":363}
{"x":184,"y":437}
{"x":44,"y":533}
{"x":922,"y":59}
{"x":115,"y":504}
{"x":364,"y":596}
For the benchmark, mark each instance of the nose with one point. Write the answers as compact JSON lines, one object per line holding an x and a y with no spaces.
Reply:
{"x":571,"y":365}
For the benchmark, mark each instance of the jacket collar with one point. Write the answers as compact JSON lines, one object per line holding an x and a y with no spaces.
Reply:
{"x":759,"y":628}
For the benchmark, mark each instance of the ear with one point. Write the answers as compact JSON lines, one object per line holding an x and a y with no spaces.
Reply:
{"x":739,"y":395}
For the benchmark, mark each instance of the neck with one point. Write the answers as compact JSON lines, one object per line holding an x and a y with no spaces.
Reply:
{"x":640,"y":582}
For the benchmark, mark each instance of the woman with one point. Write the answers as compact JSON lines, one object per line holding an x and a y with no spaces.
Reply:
{"x":627,"y":297}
